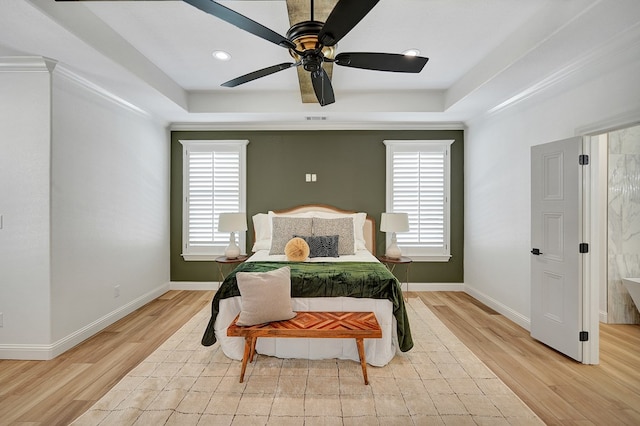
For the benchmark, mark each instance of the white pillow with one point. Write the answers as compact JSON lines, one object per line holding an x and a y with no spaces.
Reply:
{"x":262,"y":230}
{"x":265,"y":296}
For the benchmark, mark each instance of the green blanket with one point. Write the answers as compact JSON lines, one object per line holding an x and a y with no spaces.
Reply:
{"x":326,"y":279}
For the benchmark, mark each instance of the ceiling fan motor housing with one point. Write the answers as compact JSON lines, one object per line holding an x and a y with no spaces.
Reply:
{"x":305,"y":37}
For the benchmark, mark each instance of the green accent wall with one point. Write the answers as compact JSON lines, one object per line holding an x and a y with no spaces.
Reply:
{"x":350,"y":169}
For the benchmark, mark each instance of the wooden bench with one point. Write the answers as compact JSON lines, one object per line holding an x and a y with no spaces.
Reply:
{"x":342,"y":325}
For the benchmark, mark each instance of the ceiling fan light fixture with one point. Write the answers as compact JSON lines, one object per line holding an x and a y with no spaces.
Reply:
{"x":221,"y":55}
{"x":411,"y":52}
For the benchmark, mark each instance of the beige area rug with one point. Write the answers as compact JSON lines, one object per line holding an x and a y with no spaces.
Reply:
{"x":438,"y":382}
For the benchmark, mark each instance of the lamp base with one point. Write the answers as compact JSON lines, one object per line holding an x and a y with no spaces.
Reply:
{"x":393,"y":251}
{"x":232,"y":251}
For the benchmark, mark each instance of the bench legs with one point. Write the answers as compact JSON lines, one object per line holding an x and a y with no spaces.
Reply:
{"x":249,"y":347}
{"x":363,"y":361}
{"x":250,"y":350}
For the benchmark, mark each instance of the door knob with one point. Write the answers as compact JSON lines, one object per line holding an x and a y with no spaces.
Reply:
{"x":536,"y":251}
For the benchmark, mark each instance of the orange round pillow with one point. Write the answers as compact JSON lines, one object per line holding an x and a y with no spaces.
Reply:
{"x":296,"y":250}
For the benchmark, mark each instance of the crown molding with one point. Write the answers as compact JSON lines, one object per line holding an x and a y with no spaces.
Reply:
{"x":615,"y":50}
{"x":454,"y":125}
{"x":27,"y":64}
{"x":65,"y":72}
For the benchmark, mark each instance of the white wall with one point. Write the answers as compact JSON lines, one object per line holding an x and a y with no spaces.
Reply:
{"x":24,"y":201}
{"x":84,"y":188}
{"x":110,"y":206}
{"x":497,"y":174}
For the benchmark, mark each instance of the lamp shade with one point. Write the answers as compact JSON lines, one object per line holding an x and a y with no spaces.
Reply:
{"x":232,"y":222}
{"x":394,"y":222}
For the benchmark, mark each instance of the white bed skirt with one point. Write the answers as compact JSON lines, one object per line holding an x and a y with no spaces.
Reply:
{"x":377,"y":351}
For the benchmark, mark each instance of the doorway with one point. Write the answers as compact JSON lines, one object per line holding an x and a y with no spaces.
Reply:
{"x":619,"y":181}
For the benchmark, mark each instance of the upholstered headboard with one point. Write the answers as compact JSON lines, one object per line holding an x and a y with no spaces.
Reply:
{"x":369,"y":224}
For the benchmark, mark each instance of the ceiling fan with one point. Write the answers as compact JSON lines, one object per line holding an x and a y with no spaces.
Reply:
{"x":313,"y":43}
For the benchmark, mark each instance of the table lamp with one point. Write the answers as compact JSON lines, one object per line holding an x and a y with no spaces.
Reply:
{"x":232,"y":222}
{"x":394,"y":222}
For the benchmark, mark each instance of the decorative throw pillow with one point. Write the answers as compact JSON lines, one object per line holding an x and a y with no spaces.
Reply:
{"x":342,"y":227}
{"x":322,"y":246}
{"x":296,"y":250}
{"x":265,"y":296}
{"x":359,"y":220}
{"x":284,"y":228}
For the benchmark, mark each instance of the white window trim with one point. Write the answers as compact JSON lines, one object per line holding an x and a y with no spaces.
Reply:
{"x":422,"y":254}
{"x":211,"y":252}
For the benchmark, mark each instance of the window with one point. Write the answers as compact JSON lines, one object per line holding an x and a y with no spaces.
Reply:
{"x":418,"y":184}
{"x":214,"y":182}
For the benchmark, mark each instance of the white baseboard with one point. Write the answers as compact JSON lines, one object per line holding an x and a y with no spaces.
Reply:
{"x":194,"y":285}
{"x":25,"y":352}
{"x":433,"y":287}
{"x":514,"y":316}
{"x":47,"y":352}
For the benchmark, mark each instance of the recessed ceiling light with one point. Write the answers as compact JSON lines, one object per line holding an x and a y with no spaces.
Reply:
{"x":221,"y":55}
{"x":411,"y":52}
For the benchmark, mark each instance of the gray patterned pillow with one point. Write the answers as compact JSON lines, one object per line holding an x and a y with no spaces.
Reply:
{"x":322,"y":246}
{"x":343,"y":227}
{"x":284,"y":228}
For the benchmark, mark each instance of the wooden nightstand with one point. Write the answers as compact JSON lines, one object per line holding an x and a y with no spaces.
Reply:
{"x":223,"y":260}
{"x":391,"y":263}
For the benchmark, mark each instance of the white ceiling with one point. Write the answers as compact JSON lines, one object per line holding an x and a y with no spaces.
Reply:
{"x":157,"y":56}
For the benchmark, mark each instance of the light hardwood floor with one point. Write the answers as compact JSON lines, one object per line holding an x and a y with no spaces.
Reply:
{"x":56,"y":392}
{"x":559,"y":390}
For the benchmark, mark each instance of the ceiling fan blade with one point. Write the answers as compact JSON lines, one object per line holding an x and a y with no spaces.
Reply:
{"x":322,"y":86}
{"x":258,"y":74}
{"x":240,"y":21}
{"x":345,"y":15}
{"x":382,"y":61}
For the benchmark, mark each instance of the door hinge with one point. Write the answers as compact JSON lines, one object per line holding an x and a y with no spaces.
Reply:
{"x":584,"y":336}
{"x":583,"y":159}
{"x":584,"y":248}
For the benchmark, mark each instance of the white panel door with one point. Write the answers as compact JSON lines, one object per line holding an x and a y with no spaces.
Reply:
{"x":556,"y":232}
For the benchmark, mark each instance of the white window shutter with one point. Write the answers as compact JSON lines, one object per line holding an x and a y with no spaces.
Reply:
{"x":214,"y":183}
{"x":417,"y":184}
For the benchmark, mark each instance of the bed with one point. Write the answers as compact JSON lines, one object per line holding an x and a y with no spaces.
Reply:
{"x":353,"y":281}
